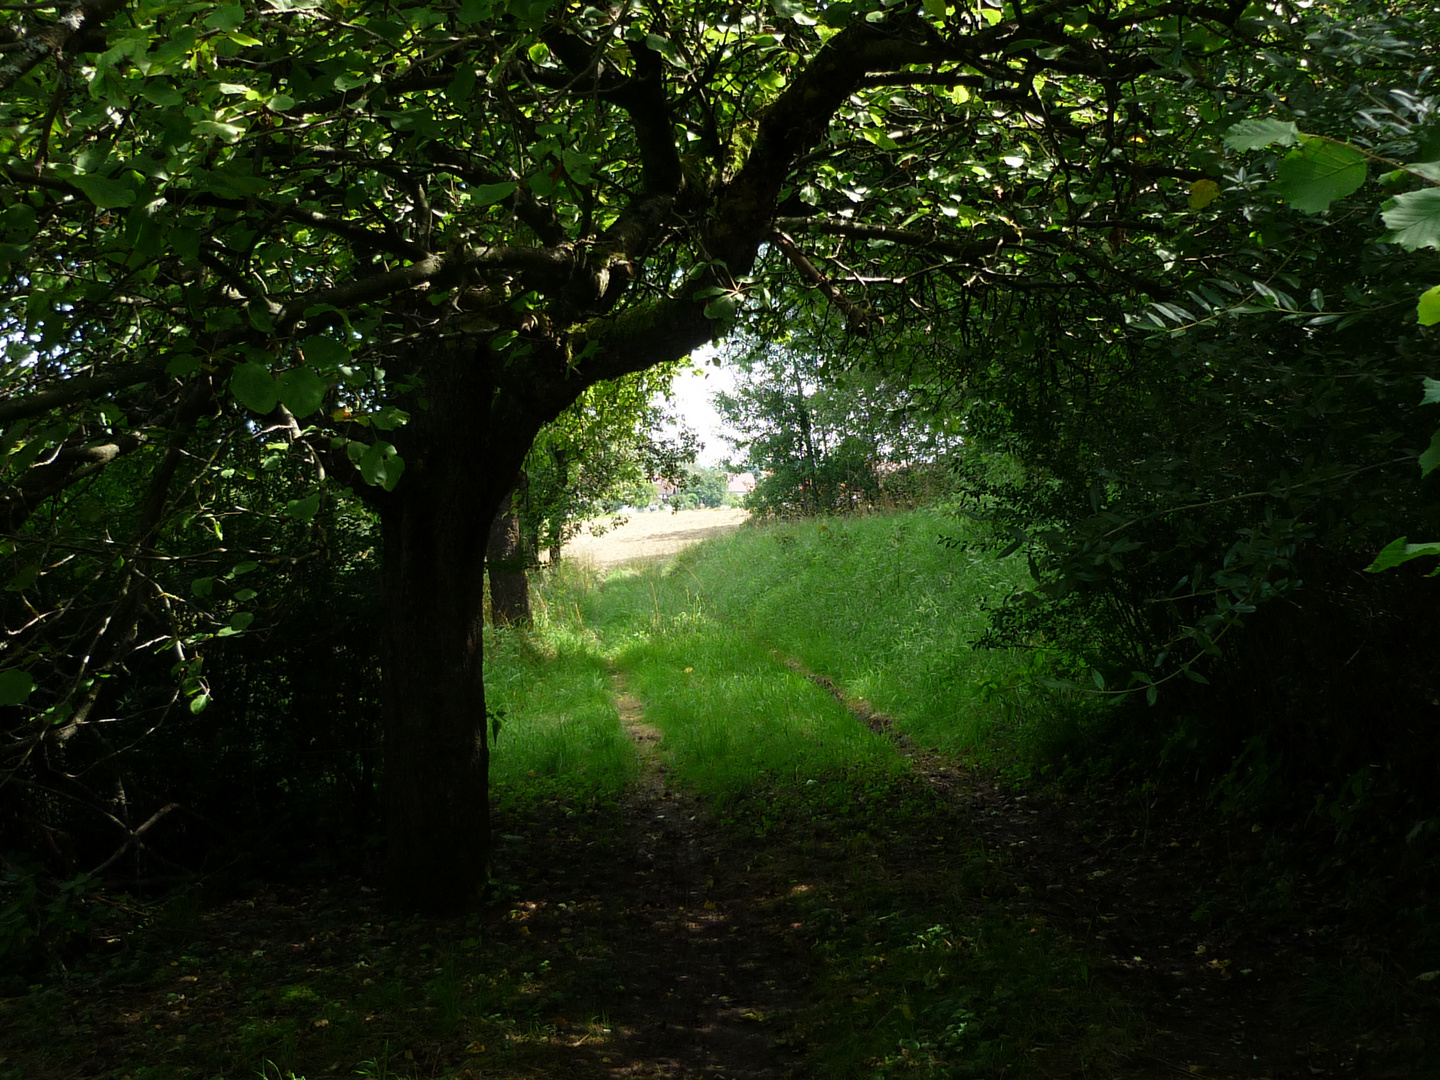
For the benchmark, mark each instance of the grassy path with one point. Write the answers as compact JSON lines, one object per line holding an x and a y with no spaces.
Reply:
{"x":713,"y":862}
{"x":708,"y":987}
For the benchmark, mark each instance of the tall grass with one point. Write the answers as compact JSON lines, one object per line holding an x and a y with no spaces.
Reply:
{"x":559,"y":731}
{"x":733,"y":716}
{"x":879,"y":605}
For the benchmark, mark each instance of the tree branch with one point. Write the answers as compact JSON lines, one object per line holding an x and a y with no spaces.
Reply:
{"x":73,"y":22}
{"x":856,"y":318}
{"x":80,"y":388}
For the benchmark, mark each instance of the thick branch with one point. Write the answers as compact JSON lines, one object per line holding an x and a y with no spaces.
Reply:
{"x":73,"y":21}
{"x":80,"y":388}
{"x":855,"y":316}
{"x":642,"y":96}
{"x":797,"y":122}
{"x":542,"y":268}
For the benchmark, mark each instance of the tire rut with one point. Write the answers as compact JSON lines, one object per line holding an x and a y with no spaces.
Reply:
{"x":1219,"y":1000}
{"x":710,"y":984}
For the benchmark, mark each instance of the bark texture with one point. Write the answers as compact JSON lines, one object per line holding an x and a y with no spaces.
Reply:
{"x":435,"y":526}
{"x":505,"y":560}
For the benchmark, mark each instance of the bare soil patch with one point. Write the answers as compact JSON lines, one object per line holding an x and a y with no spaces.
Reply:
{"x":652,"y":535}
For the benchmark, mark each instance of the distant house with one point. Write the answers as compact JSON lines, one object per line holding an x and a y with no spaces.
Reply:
{"x":741,"y":483}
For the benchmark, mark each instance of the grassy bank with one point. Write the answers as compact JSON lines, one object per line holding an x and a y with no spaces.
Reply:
{"x":797,"y":837}
{"x":877,"y":604}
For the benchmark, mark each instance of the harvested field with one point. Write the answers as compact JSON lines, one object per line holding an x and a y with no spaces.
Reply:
{"x":652,"y":535}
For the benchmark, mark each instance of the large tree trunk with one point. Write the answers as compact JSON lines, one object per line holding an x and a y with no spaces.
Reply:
{"x":505,"y":560}
{"x":436,"y":758}
{"x":435,"y":524}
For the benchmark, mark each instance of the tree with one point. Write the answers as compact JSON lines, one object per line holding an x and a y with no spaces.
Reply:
{"x":819,"y":418}
{"x":505,"y":562}
{"x":401,"y":238}
{"x":604,"y":445}
{"x":710,"y":485}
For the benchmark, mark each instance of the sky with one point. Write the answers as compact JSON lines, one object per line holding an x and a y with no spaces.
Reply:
{"x":693,"y":388}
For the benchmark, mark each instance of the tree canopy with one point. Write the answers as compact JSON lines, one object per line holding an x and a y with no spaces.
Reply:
{"x":378,"y":246}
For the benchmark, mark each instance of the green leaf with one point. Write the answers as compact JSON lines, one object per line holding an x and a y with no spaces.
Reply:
{"x":232,"y":630}
{"x":1318,"y":173}
{"x":1431,"y":457}
{"x":485,"y":194}
{"x":303,"y":509}
{"x":226,"y":18}
{"x":1203,"y":193}
{"x":1258,"y":134}
{"x":324,"y":352}
{"x":722,"y":307}
{"x":381,"y":465}
{"x":255,"y":388}
{"x":664,"y":46}
{"x":1097,"y":678}
{"x":351,"y":81}
{"x":225,"y":132}
{"x":1398,"y":551}
{"x":1428,"y":310}
{"x":105,"y":194}
{"x":1432,"y":392}
{"x":463,"y":85}
{"x":24,"y":579}
{"x":202,"y":586}
{"x":161,"y":93}
{"x":302,"y":391}
{"x":15,"y":686}
{"x":1414,"y":220}
{"x":935,"y":8}
{"x":474,"y":11}
{"x":199,"y":702}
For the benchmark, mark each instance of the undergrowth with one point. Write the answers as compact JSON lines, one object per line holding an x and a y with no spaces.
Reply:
{"x":915,"y":970}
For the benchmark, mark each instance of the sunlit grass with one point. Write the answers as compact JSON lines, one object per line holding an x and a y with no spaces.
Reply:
{"x":879,"y":605}
{"x":558,"y":726}
{"x":734,"y":718}
{"x":876,"y":604}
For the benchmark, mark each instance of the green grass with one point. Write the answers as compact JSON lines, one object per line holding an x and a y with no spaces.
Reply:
{"x":879,"y":605}
{"x":734,"y":718}
{"x":559,"y":730}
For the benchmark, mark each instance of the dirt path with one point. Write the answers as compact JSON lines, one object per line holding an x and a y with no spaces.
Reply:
{"x":706,"y":982}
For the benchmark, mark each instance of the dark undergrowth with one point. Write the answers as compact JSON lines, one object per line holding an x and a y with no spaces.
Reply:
{"x":911,"y":867}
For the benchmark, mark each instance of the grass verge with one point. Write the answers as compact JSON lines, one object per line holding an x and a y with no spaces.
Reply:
{"x":878,"y":604}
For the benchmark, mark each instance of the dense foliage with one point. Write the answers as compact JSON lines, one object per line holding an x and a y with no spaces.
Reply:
{"x":601,"y":454}
{"x":1202,"y":494}
{"x":266,"y":262}
{"x":825,"y":430}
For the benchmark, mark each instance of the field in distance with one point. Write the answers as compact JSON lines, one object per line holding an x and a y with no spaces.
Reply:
{"x":652,"y":535}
